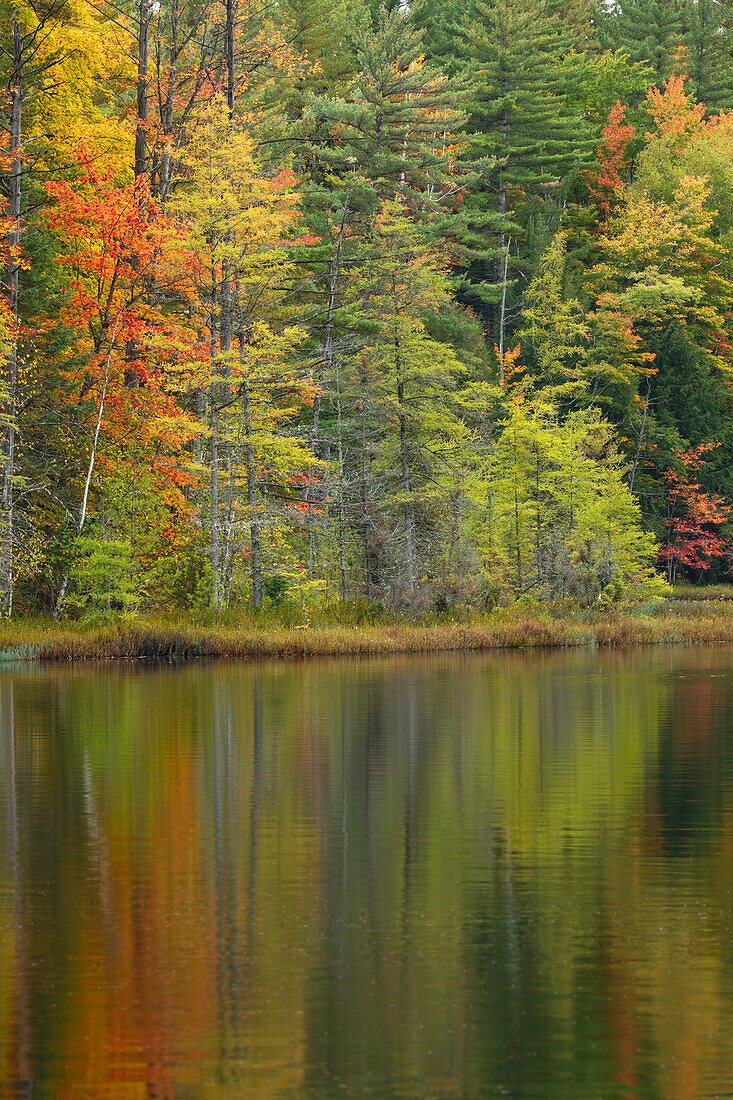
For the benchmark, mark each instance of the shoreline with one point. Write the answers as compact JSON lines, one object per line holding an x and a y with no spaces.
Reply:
{"x":164,"y":641}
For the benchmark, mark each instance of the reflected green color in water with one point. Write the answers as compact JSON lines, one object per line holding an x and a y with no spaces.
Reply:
{"x":426,"y":877}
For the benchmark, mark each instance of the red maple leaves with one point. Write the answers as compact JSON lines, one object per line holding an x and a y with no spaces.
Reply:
{"x":694,"y":517}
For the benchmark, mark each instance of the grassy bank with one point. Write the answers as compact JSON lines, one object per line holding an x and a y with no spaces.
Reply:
{"x":678,"y":622}
{"x":706,"y":592}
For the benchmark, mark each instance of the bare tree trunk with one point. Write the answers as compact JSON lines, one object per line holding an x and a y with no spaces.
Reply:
{"x":214,"y":441}
{"x":310,"y":489}
{"x":132,"y":350}
{"x":538,"y":517}
{"x":517,"y":529}
{"x":249,"y":463}
{"x":214,"y":446}
{"x":132,"y":535}
{"x":230,"y":56}
{"x":25,"y":48}
{"x":226,"y":579}
{"x":225,"y":345}
{"x":92,"y":460}
{"x":502,"y":317}
{"x":180,"y":94}
{"x":10,"y":373}
{"x":254,"y":526}
{"x":230,"y":578}
{"x":404,"y":462}
{"x":341,"y":532}
{"x":365,"y":499}
{"x":519,"y":545}
{"x":228,"y":449}
{"x":407,"y":490}
{"x":641,"y":437}
{"x":328,"y":357}
{"x":222,"y":397}
{"x":214,"y":428}
{"x":166,"y":113}
{"x":503,"y":123}
{"x":501,"y":244}
{"x":142,"y":90}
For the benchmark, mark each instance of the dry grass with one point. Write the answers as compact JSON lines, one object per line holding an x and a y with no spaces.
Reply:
{"x":679,"y":623}
{"x":703,"y":592}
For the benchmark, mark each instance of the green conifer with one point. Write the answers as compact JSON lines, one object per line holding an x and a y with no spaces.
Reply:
{"x":396,"y":120}
{"x":650,"y":31}
{"x":709,"y":52}
{"x":527,"y":140}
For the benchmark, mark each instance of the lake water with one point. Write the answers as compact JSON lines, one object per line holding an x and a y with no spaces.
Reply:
{"x":468,"y":876}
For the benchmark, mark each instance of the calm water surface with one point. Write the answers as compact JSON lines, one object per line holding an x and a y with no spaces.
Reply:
{"x":426,"y":877}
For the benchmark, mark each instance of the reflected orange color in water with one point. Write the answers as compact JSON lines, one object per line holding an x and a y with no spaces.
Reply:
{"x":431,"y":876}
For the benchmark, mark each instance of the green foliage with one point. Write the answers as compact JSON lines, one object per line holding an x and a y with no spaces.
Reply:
{"x":649,"y":31}
{"x":180,"y":581}
{"x":557,"y":327}
{"x":394,"y":119}
{"x":103,"y":578}
{"x":709,"y":46}
{"x":527,"y":138}
{"x":276,"y":588}
{"x":560,"y":515}
{"x":601,"y":79}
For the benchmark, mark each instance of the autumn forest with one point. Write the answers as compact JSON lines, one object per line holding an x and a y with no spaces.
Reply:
{"x":414,"y":306}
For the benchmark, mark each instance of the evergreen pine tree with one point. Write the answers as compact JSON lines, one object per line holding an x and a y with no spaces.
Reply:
{"x":389,"y":132}
{"x":407,"y":380}
{"x":650,"y":31}
{"x":396,"y":123}
{"x":579,"y":19}
{"x":709,"y":50}
{"x":527,"y":138}
{"x":316,"y":31}
{"x":440,"y":22}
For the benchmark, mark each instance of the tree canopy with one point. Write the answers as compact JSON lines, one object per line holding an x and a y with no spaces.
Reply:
{"x":415,"y":304}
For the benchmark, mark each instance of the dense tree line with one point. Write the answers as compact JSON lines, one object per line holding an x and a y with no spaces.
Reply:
{"x":420,"y":304}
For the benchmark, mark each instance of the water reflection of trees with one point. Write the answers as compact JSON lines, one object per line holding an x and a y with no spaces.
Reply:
{"x":431,"y":875}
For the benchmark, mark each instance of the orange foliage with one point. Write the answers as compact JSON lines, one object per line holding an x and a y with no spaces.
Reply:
{"x":673,"y":111}
{"x":509,"y":370}
{"x":121,"y":255}
{"x":606,"y":181}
